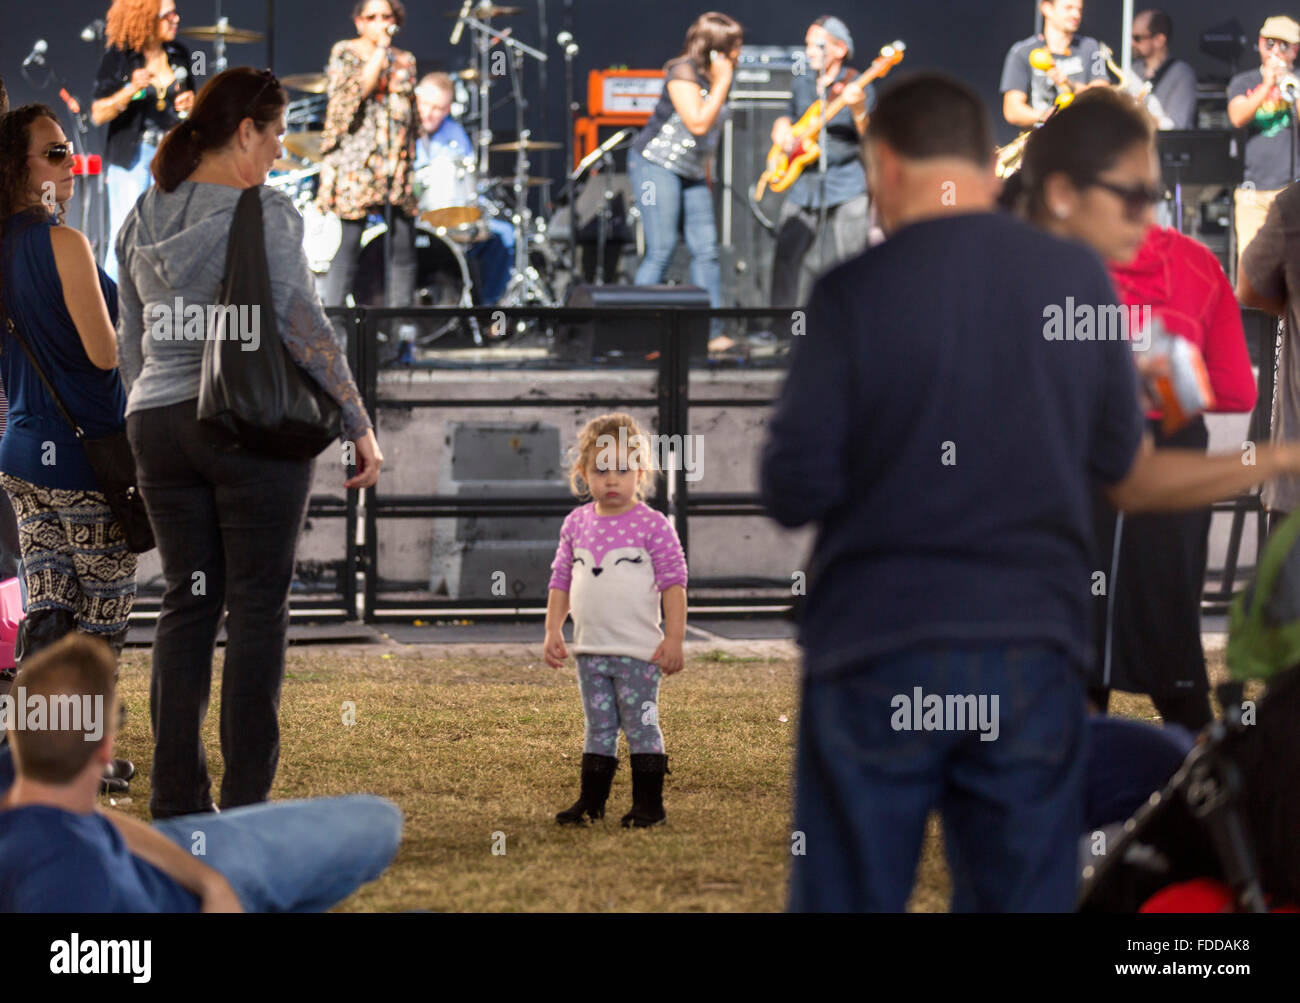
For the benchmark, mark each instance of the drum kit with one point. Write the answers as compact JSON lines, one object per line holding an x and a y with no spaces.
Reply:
{"x":459,"y":199}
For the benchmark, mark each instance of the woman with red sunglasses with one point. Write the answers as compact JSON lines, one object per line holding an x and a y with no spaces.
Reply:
{"x":1091,"y":174}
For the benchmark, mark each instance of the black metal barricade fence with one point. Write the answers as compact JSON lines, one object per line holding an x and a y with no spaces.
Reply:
{"x":670,"y":402}
{"x":328,"y":589}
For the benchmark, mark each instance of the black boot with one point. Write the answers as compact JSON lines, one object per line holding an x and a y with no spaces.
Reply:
{"x":597,"y":776}
{"x":648,"y":769}
{"x":40,"y":629}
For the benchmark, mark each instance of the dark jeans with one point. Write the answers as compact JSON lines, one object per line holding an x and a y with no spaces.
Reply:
{"x":1012,"y":806}
{"x":227,"y":524}
{"x":400,"y":288}
{"x":797,"y":260}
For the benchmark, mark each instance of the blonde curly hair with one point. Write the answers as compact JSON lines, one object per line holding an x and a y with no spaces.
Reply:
{"x":596,"y":437}
{"x":132,"y":24}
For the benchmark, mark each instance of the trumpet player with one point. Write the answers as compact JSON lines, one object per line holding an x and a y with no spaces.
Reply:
{"x":1039,"y":69}
{"x":1262,"y":102}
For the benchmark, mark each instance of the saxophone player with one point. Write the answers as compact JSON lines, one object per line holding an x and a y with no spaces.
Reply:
{"x":1173,"y":82}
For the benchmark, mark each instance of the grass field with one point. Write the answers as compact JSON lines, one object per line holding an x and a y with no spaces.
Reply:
{"x":470,"y":748}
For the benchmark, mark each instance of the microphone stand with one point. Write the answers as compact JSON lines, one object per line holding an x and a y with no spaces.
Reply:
{"x":571,"y":106}
{"x":822,"y":166}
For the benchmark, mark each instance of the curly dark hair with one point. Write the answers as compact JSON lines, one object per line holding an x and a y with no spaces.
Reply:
{"x":15,"y":133}
{"x":396,"y":6}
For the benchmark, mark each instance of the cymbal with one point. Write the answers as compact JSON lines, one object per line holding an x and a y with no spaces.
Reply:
{"x":486,"y":10}
{"x":213,"y":32}
{"x":452,"y":216}
{"x":509,"y":182}
{"x":312,"y":83}
{"x":529,"y":144}
{"x":305,"y":145}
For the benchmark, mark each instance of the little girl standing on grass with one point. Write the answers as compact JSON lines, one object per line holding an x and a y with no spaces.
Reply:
{"x":616,"y":557}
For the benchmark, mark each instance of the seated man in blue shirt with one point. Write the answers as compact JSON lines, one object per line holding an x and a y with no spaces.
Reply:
{"x":58,"y":853}
{"x":442,"y":137}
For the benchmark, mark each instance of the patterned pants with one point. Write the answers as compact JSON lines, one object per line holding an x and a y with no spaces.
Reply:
{"x":74,"y":555}
{"x":620,"y":691}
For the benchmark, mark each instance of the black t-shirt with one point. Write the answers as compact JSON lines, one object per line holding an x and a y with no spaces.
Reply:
{"x":1082,"y":64}
{"x":1268,"y":154}
{"x":945,"y":442}
{"x":665,"y":140}
{"x":124,"y":132}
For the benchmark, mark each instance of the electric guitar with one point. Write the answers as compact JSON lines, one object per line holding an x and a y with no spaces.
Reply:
{"x":782,"y":169}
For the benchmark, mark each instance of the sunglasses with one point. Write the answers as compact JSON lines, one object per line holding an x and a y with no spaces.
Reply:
{"x":268,"y":80}
{"x":56,"y":153}
{"x":171,"y":15}
{"x":1277,"y":43}
{"x":1136,"y":198}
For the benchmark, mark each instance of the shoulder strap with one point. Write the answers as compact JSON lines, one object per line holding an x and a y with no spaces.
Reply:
{"x":49,"y":387}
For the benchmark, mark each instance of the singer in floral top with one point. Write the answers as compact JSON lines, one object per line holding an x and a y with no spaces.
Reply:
{"x":369,"y":146}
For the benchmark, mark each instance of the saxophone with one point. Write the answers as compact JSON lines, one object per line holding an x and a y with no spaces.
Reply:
{"x":1009,"y":156}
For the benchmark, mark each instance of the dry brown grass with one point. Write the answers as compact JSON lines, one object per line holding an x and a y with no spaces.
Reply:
{"x":469,"y":748}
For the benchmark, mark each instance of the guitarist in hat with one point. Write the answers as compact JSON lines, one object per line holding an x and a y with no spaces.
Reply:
{"x":803,"y":249}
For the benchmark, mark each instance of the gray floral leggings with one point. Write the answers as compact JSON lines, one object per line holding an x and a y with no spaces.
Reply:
{"x":617,"y":690}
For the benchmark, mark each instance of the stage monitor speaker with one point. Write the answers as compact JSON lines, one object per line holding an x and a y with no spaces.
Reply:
{"x":632,"y":338}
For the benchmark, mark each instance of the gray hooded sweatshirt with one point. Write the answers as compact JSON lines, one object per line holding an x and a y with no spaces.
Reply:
{"x":172,"y":253}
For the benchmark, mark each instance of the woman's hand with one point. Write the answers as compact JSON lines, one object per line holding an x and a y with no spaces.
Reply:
{"x":140,"y":79}
{"x":369,"y":460}
{"x":185,"y":102}
{"x":721,"y":69}
{"x":554,"y":650}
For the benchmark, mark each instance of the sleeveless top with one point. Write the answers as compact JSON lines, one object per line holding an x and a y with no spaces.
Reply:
{"x":39,"y":446}
{"x":665,"y":140}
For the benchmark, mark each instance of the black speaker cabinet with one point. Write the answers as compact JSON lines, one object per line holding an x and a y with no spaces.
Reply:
{"x":631,"y":339}
{"x":758,"y":97}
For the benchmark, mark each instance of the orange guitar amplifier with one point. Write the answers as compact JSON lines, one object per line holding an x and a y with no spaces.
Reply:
{"x":623,"y":92}
{"x":616,"y":99}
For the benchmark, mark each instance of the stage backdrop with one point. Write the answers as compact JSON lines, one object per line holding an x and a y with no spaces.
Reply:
{"x":963,"y":37}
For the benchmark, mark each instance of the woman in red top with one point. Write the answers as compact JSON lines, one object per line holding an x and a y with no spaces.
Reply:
{"x":1090,"y":174}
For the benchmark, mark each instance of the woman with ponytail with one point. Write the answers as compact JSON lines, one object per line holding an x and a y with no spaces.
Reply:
{"x":228,"y":518}
{"x":80,"y":574}
{"x":142,"y":89}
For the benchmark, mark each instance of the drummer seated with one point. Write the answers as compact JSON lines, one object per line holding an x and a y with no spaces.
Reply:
{"x":442,"y":138}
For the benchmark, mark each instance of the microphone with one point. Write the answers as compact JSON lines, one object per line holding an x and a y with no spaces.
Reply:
{"x":93,"y":30}
{"x":460,"y":22}
{"x":37,"y":55}
{"x":392,"y":30}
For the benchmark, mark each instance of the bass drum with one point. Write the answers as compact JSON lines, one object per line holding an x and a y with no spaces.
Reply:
{"x":442,"y":279}
{"x":322,"y":235}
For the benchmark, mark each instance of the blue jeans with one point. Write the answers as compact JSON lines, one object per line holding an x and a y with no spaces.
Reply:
{"x":664,"y":198}
{"x":125,"y":186}
{"x":1012,"y":807}
{"x":294,"y":856}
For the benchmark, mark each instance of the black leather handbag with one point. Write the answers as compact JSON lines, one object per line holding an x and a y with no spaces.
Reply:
{"x":112,"y":461}
{"x":260,"y":399}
